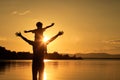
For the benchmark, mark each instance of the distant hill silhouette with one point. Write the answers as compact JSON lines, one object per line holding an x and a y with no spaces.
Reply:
{"x":99,"y":56}
{"x":7,"y":54}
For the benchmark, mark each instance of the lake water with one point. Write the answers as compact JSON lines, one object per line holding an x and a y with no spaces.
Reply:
{"x":62,"y":70}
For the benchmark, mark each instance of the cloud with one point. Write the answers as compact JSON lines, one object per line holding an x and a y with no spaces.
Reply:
{"x":110,"y":46}
{"x":21,"y":13}
{"x":113,"y":41}
{"x":2,"y":39}
{"x":25,"y":12}
{"x":108,"y":49}
{"x":14,"y":12}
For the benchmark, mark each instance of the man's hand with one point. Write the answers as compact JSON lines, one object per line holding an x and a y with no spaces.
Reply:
{"x":60,"y":33}
{"x":18,"y":34}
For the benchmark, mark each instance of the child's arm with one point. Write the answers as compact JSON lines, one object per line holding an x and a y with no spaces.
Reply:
{"x":29,"y":31}
{"x":49,"y":26}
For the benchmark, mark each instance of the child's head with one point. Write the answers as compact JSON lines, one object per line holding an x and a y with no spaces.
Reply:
{"x":39,"y":25}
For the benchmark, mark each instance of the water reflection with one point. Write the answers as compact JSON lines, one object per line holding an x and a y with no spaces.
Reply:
{"x":37,"y":67}
{"x":62,"y":70}
{"x":3,"y":66}
{"x":18,"y":65}
{"x":6,"y":65}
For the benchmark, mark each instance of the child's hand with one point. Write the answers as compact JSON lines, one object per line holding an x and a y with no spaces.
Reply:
{"x":25,"y":31}
{"x":52,"y":24}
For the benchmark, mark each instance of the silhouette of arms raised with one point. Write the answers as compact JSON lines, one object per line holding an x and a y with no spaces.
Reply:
{"x":54,"y":37}
{"x":25,"y":39}
{"x":29,"y":31}
{"x":49,"y":26}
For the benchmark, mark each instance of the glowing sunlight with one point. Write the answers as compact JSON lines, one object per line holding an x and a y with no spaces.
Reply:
{"x":46,"y":60}
{"x":45,"y":38}
{"x":45,"y":76}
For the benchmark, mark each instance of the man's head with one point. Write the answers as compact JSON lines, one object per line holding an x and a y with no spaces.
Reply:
{"x":39,"y":25}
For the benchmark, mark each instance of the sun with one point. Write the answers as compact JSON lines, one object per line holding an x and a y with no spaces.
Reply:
{"x":45,"y":39}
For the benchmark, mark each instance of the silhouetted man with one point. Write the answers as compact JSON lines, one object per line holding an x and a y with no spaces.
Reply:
{"x":39,"y":49}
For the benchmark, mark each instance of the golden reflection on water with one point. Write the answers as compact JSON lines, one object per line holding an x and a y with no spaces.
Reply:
{"x":47,"y":60}
{"x":63,"y":70}
{"x":45,"y":76}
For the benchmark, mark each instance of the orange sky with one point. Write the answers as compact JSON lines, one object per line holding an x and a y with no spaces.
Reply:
{"x":89,"y":25}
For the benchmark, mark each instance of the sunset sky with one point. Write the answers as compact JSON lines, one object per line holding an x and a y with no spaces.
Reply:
{"x":88,"y":25}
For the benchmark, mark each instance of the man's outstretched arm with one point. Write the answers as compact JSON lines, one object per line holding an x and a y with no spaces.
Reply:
{"x":54,"y":37}
{"x":25,"y":39}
